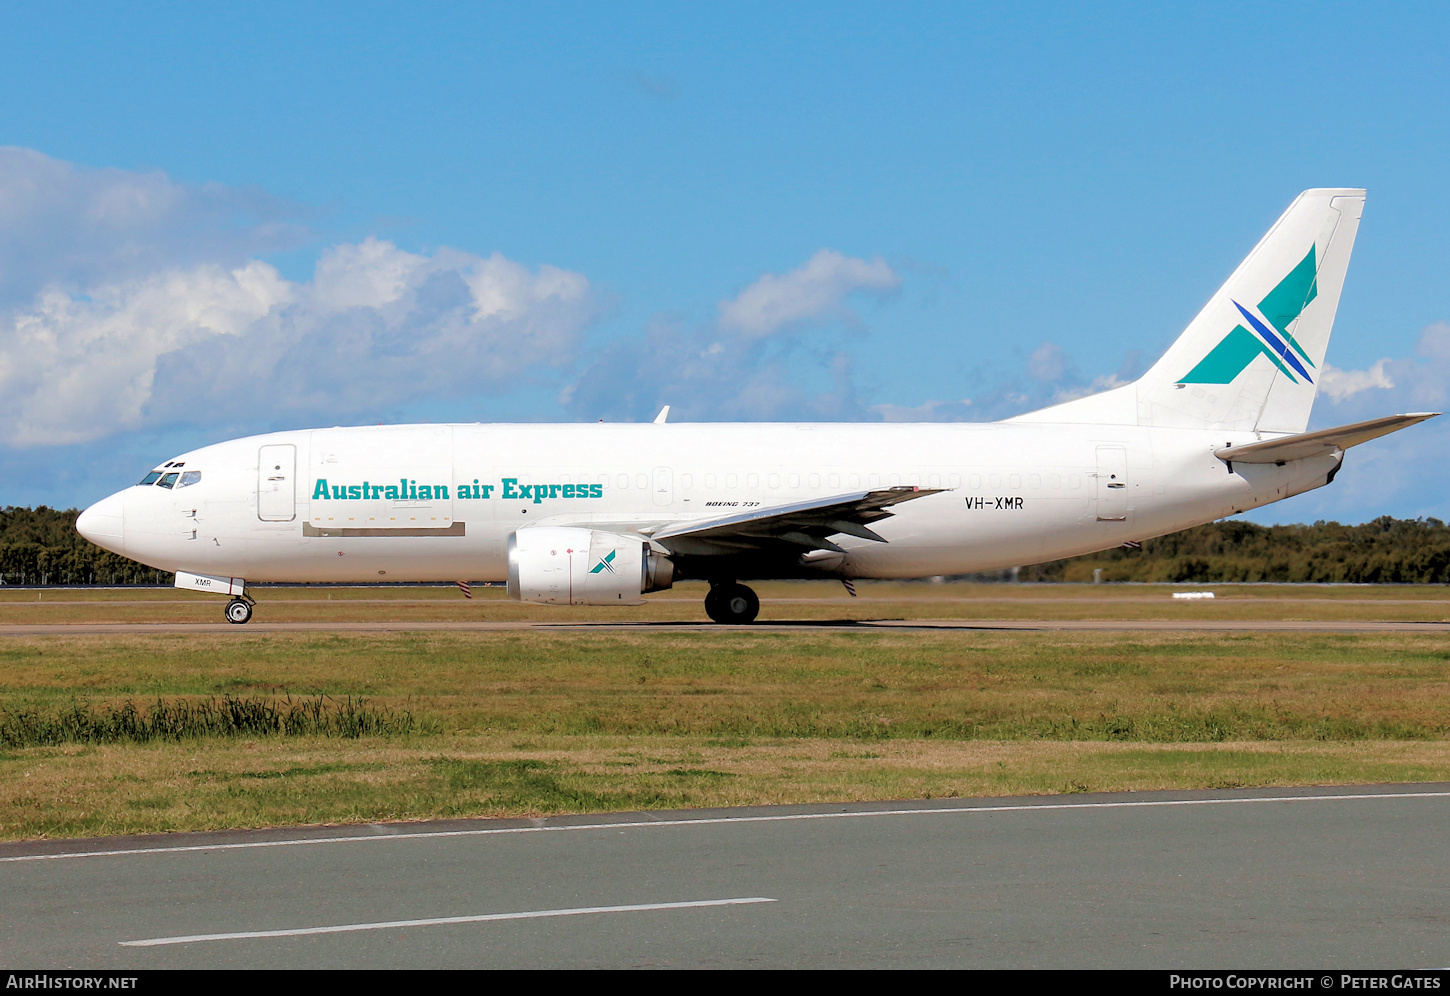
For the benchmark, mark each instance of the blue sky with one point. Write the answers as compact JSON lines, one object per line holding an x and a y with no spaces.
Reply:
{"x":218,"y":219}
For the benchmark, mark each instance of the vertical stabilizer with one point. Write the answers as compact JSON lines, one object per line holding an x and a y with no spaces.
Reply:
{"x":1252,"y":358}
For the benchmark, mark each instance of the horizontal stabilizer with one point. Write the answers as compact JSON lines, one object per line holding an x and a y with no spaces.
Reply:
{"x":1311,"y":444}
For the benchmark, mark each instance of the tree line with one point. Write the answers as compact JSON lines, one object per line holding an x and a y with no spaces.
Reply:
{"x":1384,"y":551}
{"x":41,"y":546}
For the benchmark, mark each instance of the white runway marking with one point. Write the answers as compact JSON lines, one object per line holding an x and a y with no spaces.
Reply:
{"x":344,"y":928}
{"x":718,"y":820}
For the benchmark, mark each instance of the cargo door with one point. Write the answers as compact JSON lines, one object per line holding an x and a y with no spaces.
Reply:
{"x":277,"y":483}
{"x":1112,"y":489}
{"x":388,"y":481}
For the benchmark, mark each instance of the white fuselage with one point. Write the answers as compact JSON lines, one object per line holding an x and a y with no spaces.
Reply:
{"x":291,"y":506}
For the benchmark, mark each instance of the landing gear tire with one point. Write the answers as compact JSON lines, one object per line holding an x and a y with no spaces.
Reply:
{"x":732,"y":603}
{"x":238,"y":611}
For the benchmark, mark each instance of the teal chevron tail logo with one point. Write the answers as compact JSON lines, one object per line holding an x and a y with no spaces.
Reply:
{"x":1270,"y":336}
{"x":607,"y":564}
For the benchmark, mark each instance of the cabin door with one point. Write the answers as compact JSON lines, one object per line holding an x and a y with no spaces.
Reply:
{"x":277,"y":483}
{"x":1112,"y":484}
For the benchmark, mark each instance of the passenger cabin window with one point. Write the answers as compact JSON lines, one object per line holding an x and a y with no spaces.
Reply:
{"x":151,"y":478}
{"x":189,"y":478}
{"x":168,"y":481}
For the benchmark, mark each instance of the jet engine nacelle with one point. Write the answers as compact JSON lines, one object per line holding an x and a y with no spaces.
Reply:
{"x":569,"y":565}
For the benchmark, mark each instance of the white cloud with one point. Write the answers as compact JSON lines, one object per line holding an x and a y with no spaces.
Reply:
{"x":1434,"y":342}
{"x":130,"y":300}
{"x":744,"y":365}
{"x":1341,"y":384}
{"x":133,"y":301}
{"x":813,"y":291}
{"x":929,"y":411}
{"x":506,"y":291}
{"x":367,"y":275}
{"x":1413,"y":383}
{"x":1096,"y":386}
{"x":708,"y":373}
{"x":73,"y":227}
{"x":377,"y":326}
{"x":75,"y":369}
{"x":1046,"y":363}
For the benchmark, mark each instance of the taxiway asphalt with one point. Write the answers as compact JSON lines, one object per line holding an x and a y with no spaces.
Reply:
{"x":1255,"y":878}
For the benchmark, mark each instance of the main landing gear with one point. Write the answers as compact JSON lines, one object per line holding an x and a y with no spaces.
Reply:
{"x":239,"y":610}
{"x":729,"y":602}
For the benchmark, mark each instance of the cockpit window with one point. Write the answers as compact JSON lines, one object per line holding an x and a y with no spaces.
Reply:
{"x":189,"y":478}
{"x":152,"y":477}
{"x":166,"y":482}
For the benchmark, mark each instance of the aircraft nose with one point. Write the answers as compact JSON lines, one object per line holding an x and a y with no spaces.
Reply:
{"x":102,"y":524}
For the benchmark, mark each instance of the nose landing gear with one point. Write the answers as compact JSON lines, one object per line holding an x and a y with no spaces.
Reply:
{"x":239,"y":610}
{"x":729,"y":602}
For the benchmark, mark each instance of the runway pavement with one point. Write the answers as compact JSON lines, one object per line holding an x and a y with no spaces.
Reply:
{"x":1346,"y":877}
{"x":1044,"y":625}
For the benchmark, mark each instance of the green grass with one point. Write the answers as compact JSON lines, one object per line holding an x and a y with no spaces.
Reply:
{"x":532,"y":785}
{"x":186,"y":719}
{"x":1158,"y":688}
{"x":200,"y":785}
{"x":531,"y":722}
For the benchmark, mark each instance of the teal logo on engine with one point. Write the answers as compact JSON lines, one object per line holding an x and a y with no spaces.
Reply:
{"x":607,"y":564}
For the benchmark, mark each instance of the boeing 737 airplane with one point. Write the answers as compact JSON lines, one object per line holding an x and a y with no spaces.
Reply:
{"x":596,"y":514}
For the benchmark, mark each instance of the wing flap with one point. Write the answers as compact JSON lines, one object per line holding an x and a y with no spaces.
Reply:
{"x":805,"y":524}
{"x":1311,"y":444}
